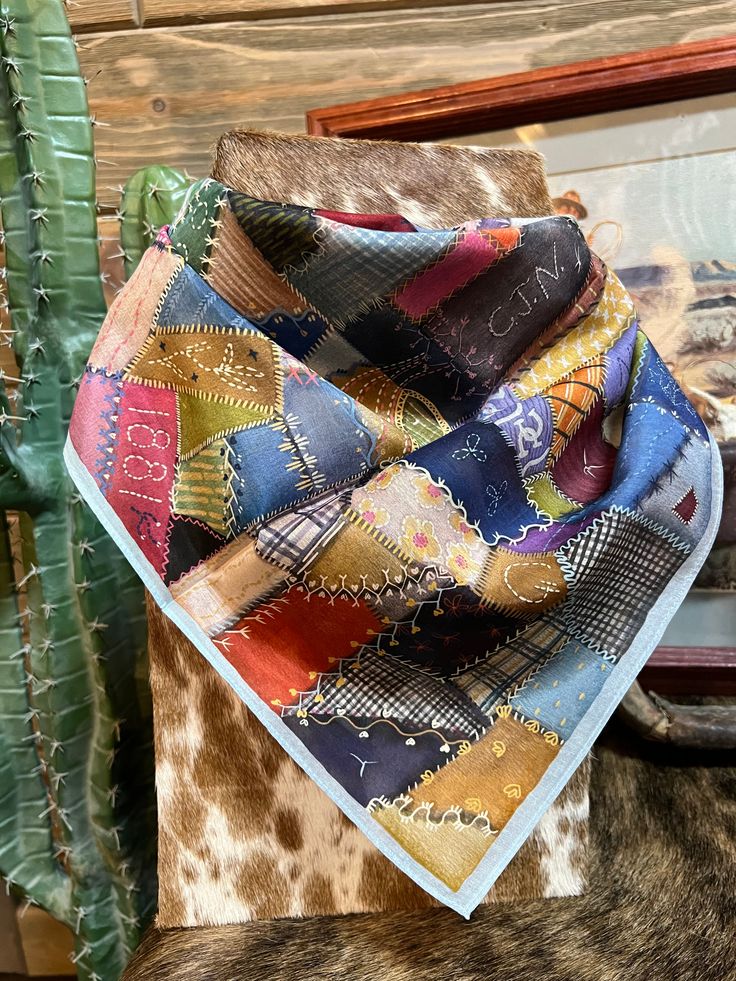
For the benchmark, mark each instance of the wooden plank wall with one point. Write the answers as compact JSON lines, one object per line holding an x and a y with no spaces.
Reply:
{"x":168,"y":76}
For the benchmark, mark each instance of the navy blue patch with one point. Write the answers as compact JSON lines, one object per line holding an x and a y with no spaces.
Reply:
{"x":295,"y":334}
{"x":373,"y":758}
{"x":480,"y":470}
{"x":452,"y":634}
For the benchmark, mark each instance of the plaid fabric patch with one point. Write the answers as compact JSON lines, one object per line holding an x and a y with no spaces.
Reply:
{"x":615,"y":570}
{"x":289,"y":540}
{"x":383,"y":687}
{"x":487,"y":683}
{"x":354,"y":267}
{"x":284,"y":235}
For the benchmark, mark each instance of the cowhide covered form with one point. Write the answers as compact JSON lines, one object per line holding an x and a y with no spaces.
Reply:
{"x":243,"y":833}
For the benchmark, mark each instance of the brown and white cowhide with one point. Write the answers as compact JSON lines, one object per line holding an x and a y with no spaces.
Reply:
{"x":660,"y":903}
{"x":243,"y":833}
{"x":431,"y":184}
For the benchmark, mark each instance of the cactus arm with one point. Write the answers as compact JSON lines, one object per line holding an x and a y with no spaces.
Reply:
{"x":20,"y":853}
{"x":21,"y":479}
{"x":52,"y":144}
{"x":75,"y":716}
{"x":15,"y":480}
{"x":78,"y":641}
{"x":26,"y":839}
{"x":151,"y":198}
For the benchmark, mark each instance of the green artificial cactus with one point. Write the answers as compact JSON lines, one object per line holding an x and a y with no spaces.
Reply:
{"x":77,"y":812}
{"x":150,"y":199}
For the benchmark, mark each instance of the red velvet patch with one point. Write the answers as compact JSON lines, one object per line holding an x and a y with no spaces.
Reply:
{"x":585,"y":467}
{"x":281,"y":647}
{"x":686,"y":507}
{"x":474,"y":253}
{"x":381,"y":223}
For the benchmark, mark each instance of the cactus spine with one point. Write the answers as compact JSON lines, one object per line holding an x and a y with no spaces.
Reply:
{"x":75,"y":756}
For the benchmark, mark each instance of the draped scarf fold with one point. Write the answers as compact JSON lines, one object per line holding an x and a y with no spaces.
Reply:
{"x":426,"y":498}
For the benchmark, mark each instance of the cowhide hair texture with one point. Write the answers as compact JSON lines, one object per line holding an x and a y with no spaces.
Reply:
{"x":243,"y":833}
{"x":660,"y":903}
{"x":432,"y":184}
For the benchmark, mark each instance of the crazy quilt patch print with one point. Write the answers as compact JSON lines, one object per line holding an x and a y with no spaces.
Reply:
{"x":426,"y":499}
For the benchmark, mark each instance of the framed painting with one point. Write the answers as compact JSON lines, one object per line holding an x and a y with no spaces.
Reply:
{"x":641,"y":150}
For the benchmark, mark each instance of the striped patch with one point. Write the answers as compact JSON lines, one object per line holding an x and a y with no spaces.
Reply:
{"x":571,"y":399}
{"x":202,"y":487}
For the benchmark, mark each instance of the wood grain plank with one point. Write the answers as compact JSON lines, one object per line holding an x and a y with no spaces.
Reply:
{"x":167,"y":94}
{"x":690,"y":671}
{"x":47,"y":944}
{"x":11,"y":949}
{"x":159,"y":12}
{"x":101,"y":15}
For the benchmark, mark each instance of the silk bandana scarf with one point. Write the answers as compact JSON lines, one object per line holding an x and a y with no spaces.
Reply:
{"x":425,"y":498}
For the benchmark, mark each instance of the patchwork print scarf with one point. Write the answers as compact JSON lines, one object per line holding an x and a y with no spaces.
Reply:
{"x":425,"y":498}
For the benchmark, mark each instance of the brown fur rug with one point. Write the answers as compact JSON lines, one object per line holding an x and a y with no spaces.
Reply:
{"x":661,"y":904}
